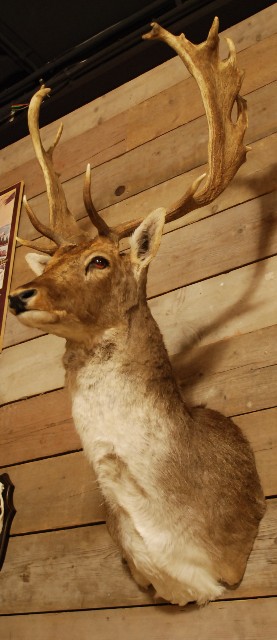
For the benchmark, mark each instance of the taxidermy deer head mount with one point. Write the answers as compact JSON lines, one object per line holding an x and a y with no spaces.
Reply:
{"x":62,"y":297}
{"x":182,"y":493}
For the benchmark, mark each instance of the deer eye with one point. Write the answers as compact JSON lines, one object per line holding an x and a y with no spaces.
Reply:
{"x":98,"y":262}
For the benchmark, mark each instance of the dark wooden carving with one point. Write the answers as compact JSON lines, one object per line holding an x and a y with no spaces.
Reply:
{"x":9,"y":513}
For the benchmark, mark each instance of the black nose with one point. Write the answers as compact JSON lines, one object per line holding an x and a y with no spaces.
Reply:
{"x":18,"y":302}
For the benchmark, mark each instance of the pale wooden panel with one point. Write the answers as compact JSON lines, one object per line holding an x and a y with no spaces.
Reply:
{"x":169,"y":110}
{"x":238,"y":302}
{"x":234,"y":391}
{"x":230,"y":304}
{"x":141,"y":123}
{"x":81,"y":568}
{"x":242,"y":235}
{"x":238,"y":620}
{"x":56,"y":493}
{"x":225,"y":241}
{"x":232,"y":376}
{"x":113,"y":103}
{"x":62,"y":492}
{"x":237,"y":237}
{"x":30,"y":366}
{"x":261,"y":429}
{"x":97,"y":145}
{"x":256,"y":177}
{"x":42,"y":426}
{"x":86,"y":123}
{"x":36,"y":428}
{"x":169,"y":155}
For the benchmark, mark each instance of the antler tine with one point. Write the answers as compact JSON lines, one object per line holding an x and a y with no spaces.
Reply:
{"x":42,"y":228}
{"x":61,"y":219}
{"x":38,"y":246}
{"x":96,"y":219}
{"x":219,"y":82}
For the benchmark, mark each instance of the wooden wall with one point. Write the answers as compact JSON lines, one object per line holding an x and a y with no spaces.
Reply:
{"x":212,"y":289}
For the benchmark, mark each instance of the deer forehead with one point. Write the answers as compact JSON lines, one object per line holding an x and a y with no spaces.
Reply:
{"x":79,"y":254}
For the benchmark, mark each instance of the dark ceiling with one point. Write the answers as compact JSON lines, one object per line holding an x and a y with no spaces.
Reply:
{"x":83,"y":49}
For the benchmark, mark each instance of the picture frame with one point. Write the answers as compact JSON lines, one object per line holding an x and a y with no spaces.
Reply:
{"x":10,"y":207}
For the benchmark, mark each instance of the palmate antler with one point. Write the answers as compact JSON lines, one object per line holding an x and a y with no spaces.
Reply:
{"x":219,"y":82}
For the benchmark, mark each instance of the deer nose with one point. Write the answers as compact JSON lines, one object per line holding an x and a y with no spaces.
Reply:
{"x":18,"y":302}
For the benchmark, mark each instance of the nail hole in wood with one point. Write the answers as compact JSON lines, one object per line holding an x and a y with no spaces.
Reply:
{"x":120,"y":190}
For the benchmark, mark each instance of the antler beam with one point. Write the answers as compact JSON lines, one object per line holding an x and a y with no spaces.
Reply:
{"x":219,"y":82}
{"x":63,"y":227}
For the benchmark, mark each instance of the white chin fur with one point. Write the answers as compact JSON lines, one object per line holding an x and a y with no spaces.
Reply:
{"x":35,"y":318}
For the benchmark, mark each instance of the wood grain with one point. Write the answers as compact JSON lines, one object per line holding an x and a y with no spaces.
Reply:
{"x":158,"y":160}
{"x":29,"y":368}
{"x":230,"y":304}
{"x":36,"y":428}
{"x":244,"y":34}
{"x":260,"y":429}
{"x":78,"y":501}
{"x":81,"y":568}
{"x":256,"y":177}
{"x":203,"y":313}
{"x":238,"y":620}
{"x":219,"y":328}
{"x":89,"y":128}
{"x":232,"y":376}
{"x":56,"y":493}
{"x":42,"y":426}
{"x":168,"y":109}
{"x":237,"y":237}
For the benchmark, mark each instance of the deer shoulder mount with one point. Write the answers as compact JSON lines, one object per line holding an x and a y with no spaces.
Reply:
{"x":183,"y":497}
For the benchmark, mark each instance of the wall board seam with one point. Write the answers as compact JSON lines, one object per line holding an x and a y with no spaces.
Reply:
{"x":134,"y":606}
{"x":158,"y":137}
{"x":73,"y":451}
{"x":5,"y":404}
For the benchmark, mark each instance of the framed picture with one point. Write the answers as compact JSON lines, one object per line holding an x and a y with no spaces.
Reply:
{"x":10,"y":205}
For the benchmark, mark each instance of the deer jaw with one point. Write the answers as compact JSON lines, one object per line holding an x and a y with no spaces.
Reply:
{"x":86,"y":289}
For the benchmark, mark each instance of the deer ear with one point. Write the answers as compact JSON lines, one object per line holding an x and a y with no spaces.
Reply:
{"x":37,"y":262}
{"x":146,"y":239}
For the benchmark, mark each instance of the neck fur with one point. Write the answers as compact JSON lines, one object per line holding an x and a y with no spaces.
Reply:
{"x":133,"y":350}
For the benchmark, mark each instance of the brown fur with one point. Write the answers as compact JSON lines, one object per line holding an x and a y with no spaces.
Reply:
{"x":195,"y":462}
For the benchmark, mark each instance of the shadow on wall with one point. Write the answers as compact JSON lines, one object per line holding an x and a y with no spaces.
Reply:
{"x":192,"y":362}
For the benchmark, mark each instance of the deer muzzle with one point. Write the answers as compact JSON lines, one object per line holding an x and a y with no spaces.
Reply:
{"x":18,"y":303}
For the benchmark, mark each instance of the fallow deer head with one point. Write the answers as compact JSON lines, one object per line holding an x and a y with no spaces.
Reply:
{"x":86,"y":285}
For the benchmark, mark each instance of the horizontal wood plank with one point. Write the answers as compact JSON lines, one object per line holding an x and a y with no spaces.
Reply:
{"x":168,"y":109}
{"x":56,"y":493}
{"x":81,"y":568}
{"x":246,"y":233}
{"x":241,"y":235}
{"x":230,"y":304}
{"x":256,"y":177}
{"x":219,"y":330}
{"x":29,"y":367}
{"x":234,"y":391}
{"x":237,"y":620}
{"x":228,"y":240}
{"x":244,"y":34}
{"x":260,"y":429}
{"x":38,"y":427}
{"x":71,"y":479}
{"x":154,"y":162}
{"x":42,"y":426}
{"x":110,"y":137}
{"x":232,"y":376}
{"x":238,"y":302}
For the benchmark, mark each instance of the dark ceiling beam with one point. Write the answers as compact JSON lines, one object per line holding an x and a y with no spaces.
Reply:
{"x":18,"y":50}
{"x":118,"y":59}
